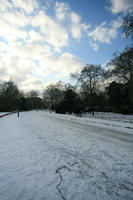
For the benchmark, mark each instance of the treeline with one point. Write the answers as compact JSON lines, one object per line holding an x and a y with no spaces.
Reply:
{"x":96,"y":89}
{"x":12,"y":99}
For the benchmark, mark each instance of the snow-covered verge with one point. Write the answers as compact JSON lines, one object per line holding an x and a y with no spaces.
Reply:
{"x":122,"y":123}
{"x":47,"y":156}
{"x":111,"y":116}
{"x":6,"y":114}
{"x":3,"y":113}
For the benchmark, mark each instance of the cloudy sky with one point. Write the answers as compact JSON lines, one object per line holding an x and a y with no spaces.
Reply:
{"x":43,"y":41}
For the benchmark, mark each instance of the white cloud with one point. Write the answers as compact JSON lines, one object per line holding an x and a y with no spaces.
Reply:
{"x":11,"y":34}
{"x":3,"y":46}
{"x":61,"y":10}
{"x":54,"y":33}
{"x":103,"y":34}
{"x":76,"y":31}
{"x":15,"y":18}
{"x":118,"y":6}
{"x":35,"y":36}
{"x":30,"y":37}
{"x":27,"y":5}
{"x":70,"y":19}
{"x":5,"y":5}
{"x":29,"y":50}
{"x":18,"y":67}
{"x":32,"y":83}
{"x":21,"y":70}
{"x":28,"y":43}
{"x":116,"y":23}
{"x":75,"y":18}
{"x":64,"y":64}
{"x":69,"y":63}
{"x":76,"y":26}
{"x":94,"y":45}
{"x":3,"y":70}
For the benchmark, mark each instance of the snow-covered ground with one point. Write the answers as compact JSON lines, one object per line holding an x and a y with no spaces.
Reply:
{"x":122,"y":123}
{"x":47,"y":156}
{"x":111,"y":116}
{"x":2,"y":113}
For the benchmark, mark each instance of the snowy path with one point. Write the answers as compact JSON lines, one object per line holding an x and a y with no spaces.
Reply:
{"x":47,"y":157}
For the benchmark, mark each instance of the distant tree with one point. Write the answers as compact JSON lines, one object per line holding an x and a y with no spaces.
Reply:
{"x":21,"y":102}
{"x":123,"y":70}
{"x":1,"y":99}
{"x":122,"y":65}
{"x":53,"y":95}
{"x":9,"y":94}
{"x":118,"y":97}
{"x":33,"y":93}
{"x":127,"y":26}
{"x":71,"y":102}
{"x":101,"y":101}
{"x":33,"y":101}
{"x":89,"y":78}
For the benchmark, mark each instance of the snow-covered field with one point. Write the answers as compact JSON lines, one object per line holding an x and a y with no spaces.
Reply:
{"x":47,"y":156}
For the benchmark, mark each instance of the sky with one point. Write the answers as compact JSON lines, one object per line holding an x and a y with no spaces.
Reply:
{"x":44,"y":41}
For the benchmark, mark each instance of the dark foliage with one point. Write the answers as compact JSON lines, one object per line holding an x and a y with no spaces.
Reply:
{"x":88,"y":79}
{"x":123,"y":65}
{"x":11,"y":99}
{"x":123,"y":72}
{"x":118,"y":97}
{"x":71,"y":103}
{"x":9,"y":96}
{"x":127,"y":26}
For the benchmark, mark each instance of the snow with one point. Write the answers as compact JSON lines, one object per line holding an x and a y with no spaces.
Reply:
{"x":51,"y":156}
{"x":2,"y":113}
{"x":123,"y":123}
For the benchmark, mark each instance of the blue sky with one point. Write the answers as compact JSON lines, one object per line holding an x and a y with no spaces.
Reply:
{"x":43,"y":41}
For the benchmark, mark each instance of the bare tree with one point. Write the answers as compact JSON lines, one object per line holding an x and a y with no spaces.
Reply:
{"x":53,"y":95}
{"x":123,"y":65}
{"x":123,"y":70}
{"x":89,"y":78}
{"x":127,"y":26}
